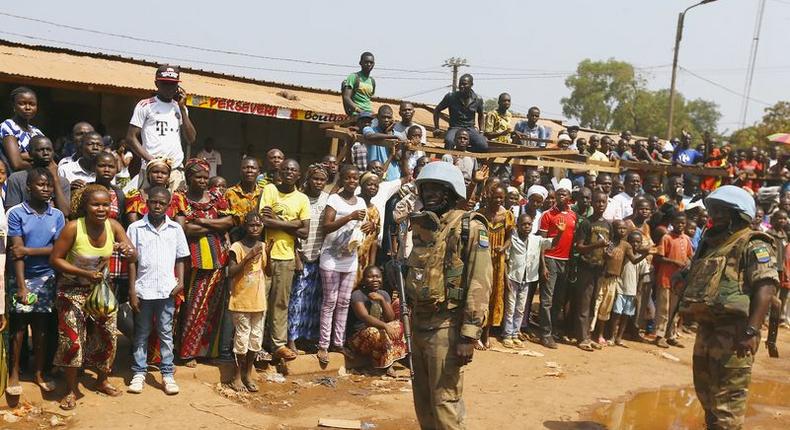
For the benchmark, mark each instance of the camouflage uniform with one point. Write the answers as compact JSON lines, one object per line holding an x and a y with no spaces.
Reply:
{"x":445,"y":309}
{"x":718,"y":297}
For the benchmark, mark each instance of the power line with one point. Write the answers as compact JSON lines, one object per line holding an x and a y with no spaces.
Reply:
{"x":716,"y":84}
{"x":198,"y":48}
{"x":169,"y":57}
{"x":747,"y":90}
{"x":425,"y":92}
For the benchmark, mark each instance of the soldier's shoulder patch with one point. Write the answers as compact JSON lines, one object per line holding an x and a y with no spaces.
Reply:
{"x":761,"y":254}
{"x":482,"y":238}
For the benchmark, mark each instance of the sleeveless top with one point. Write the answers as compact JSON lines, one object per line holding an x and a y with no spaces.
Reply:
{"x":87,"y":256}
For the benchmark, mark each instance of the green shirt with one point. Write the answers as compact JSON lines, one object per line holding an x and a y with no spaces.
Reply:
{"x":365,"y":90}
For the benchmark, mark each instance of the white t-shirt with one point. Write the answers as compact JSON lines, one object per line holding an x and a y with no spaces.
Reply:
{"x":335,"y":254}
{"x":387,"y":189}
{"x":71,"y":172}
{"x":632,"y":273}
{"x":621,"y":205}
{"x":214,"y":159}
{"x":160,"y":125}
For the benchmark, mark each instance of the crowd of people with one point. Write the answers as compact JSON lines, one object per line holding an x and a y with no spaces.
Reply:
{"x":296,"y":259}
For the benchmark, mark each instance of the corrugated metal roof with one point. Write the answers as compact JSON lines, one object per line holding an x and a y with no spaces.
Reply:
{"x":74,"y":67}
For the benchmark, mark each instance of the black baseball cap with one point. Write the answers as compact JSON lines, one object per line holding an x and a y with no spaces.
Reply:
{"x":168,"y":73}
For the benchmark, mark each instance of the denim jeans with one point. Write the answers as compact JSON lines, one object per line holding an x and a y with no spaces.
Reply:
{"x":477,"y":141}
{"x":162,"y":310}
{"x":515,"y":302}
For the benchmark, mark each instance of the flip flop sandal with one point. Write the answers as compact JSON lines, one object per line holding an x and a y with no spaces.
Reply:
{"x":69,"y":402}
{"x":285,"y":353}
{"x":47,"y":386}
{"x":323,"y":356}
{"x":15,"y":390}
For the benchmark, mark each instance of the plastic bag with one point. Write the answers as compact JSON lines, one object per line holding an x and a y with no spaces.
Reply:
{"x":101,"y":303}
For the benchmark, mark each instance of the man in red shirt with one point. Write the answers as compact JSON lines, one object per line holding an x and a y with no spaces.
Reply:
{"x":749,"y":169}
{"x":557,"y":221}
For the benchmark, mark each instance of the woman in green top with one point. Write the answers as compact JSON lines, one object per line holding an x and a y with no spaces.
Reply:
{"x":80,"y":255}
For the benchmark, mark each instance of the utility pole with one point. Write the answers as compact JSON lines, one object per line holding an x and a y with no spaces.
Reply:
{"x":455,"y":63}
{"x":747,"y":91}
{"x":678,"y":36}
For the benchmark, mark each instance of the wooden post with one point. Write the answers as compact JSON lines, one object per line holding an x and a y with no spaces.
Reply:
{"x":333,"y":146}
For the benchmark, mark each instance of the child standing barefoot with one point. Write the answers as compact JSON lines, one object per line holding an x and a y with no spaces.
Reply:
{"x":625,"y":303}
{"x":247,"y":300}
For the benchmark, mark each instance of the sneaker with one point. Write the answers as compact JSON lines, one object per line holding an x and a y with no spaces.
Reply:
{"x":508,"y":342}
{"x":517,"y":342}
{"x":136,"y":386}
{"x":170,"y":384}
{"x":661,"y":342}
{"x":549,"y":342}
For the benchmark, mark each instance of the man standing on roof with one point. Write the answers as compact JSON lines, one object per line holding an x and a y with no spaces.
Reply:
{"x":160,"y":122}
{"x":463,"y":104}
{"x":359,"y":87}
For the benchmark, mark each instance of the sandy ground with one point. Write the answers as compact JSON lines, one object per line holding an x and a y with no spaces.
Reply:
{"x":502,"y":390}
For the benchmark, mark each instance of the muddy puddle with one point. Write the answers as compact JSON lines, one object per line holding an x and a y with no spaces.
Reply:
{"x":678,"y":409}
{"x":354,"y":395}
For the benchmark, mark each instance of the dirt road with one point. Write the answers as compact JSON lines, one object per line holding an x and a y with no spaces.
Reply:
{"x":502,"y":391}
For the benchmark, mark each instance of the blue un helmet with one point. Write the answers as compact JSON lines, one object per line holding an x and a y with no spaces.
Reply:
{"x":735,"y":198}
{"x":444,"y":173}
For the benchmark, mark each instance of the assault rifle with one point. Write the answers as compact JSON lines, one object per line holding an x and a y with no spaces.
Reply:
{"x":396,"y":273}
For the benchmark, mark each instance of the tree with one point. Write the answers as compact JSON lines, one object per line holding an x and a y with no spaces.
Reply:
{"x":610,"y":95}
{"x":775,"y":120}
{"x":490,"y":104}
{"x":597,"y":89}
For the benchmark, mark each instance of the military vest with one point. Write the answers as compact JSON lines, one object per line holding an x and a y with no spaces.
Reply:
{"x":436,"y":263}
{"x":714,"y":284}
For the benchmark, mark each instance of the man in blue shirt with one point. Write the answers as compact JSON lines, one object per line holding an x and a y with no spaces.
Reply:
{"x":530,"y":129}
{"x":685,"y":154}
{"x":379,"y":132}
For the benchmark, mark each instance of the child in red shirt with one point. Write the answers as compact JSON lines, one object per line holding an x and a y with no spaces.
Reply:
{"x":674,"y":253}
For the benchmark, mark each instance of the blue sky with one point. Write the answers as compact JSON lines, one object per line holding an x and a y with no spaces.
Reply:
{"x":526,"y":48}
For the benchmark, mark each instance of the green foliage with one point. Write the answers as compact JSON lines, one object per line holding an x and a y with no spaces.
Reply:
{"x":597,"y":89}
{"x":775,"y":120}
{"x":609,"y":95}
{"x":490,"y":105}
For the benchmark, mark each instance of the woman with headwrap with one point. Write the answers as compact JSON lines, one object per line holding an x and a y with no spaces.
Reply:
{"x":157,"y":173}
{"x":304,"y":306}
{"x":369,"y":187}
{"x":207,"y":219}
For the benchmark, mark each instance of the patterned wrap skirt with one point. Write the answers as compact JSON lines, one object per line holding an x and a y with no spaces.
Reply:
{"x":304,"y":308}
{"x":376,"y":344}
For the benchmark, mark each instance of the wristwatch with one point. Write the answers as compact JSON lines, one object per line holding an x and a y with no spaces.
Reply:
{"x":751,"y":331}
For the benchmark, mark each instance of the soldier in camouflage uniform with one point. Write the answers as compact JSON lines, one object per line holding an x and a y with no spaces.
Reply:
{"x":448,"y":284}
{"x":729,"y":287}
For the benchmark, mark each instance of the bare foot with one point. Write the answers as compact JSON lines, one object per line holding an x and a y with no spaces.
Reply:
{"x":480,"y":346}
{"x":238,"y":385}
{"x":108,"y":389}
